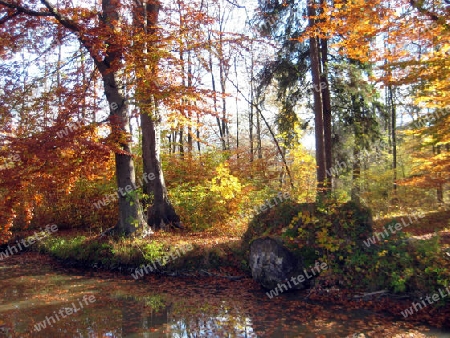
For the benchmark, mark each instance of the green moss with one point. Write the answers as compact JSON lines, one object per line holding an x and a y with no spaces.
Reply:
{"x":334,"y":233}
{"x":310,"y":223}
{"x":270,"y":221}
{"x":132,"y":253}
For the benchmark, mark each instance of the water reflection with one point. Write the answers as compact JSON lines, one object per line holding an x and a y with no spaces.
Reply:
{"x":165,"y":316}
{"x":31,"y":291}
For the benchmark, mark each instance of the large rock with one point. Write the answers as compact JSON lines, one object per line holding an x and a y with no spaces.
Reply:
{"x":271,"y":263}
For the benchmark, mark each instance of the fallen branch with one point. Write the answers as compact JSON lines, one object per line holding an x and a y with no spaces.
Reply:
{"x":107,"y":232}
{"x":222,"y":276}
{"x":381,"y":292}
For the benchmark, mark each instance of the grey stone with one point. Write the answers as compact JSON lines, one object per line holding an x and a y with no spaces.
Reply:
{"x":271,"y":263}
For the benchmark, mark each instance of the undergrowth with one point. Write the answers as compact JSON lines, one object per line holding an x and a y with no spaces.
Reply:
{"x":337,"y":234}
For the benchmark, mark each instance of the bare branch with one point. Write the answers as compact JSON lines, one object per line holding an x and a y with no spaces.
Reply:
{"x":52,"y":12}
{"x":73,"y":27}
{"x":419,"y":6}
{"x":69,"y":24}
{"x":235,"y":4}
{"x":24,"y":10}
{"x":8,"y":17}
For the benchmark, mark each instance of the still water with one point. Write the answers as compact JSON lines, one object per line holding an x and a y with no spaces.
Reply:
{"x":38,"y":298}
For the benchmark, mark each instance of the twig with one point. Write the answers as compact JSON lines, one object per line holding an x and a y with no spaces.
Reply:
{"x":222,"y":276}
{"x":235,"y":4}
{"x":381,"y":292}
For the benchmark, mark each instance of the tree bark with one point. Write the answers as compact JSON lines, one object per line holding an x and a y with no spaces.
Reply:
{"x":189,"y":84}
{"x":326,"y":100}
{"x":439,"y":189}
{"x":394,"y":137}
{"x":251,"y":114}
{"x":161,"y":212}
{"x":213,"y":84}
{"x":318,"y":109}
{"x":356,"y":174}
{"x":223,"y":78}
{"x":130,"y":213}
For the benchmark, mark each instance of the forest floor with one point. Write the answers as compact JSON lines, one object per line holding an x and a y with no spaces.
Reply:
{"x":434,"y":222}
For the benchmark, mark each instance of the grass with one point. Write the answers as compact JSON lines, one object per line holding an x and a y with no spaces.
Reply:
{"x":193,"y":251}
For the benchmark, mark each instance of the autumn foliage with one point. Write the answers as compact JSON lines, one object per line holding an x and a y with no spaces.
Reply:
{"x":182,"y":69}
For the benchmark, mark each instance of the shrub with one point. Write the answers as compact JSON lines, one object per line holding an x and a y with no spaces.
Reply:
{"x":209,"y":202}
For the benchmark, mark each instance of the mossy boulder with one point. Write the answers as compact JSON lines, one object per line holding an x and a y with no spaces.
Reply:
{"x":349,"y":222}
{"x":290,"y":237}
{"x":271,"y":263}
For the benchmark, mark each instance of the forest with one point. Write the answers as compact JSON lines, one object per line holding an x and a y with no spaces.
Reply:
{"x":224,"y":168}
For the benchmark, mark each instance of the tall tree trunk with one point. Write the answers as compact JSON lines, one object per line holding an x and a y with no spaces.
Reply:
{"x":258,"y":137}
{"x":223,"y":79}
{"x":318,"y":109}
{"x":183,"y":75}
{"x":130,"y":213}
{"x":356,"y":162}
{"x":161,"y":212}
{"x":180,"y":142}
{"x":174,"y":142}
{"x":237,"y":107}
{"x":251,"y":112}
{"x":440,"y":189}
{"x":213,"y":83}
{"x":189,"y":112}
{"x":394,"y":137}
{"x":199,"y":148}
{"x":326,"y":100}
{"x":356,"y":174}
{"x":224,"y":67}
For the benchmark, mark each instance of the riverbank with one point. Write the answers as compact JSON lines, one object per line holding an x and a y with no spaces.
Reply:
{"x":201,"y":256}
{"x":175,"y":254}
{"x":159,"y":303}
{"x":392,"y":276}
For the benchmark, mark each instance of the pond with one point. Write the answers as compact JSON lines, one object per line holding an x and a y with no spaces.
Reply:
{"x":41,"y":299}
